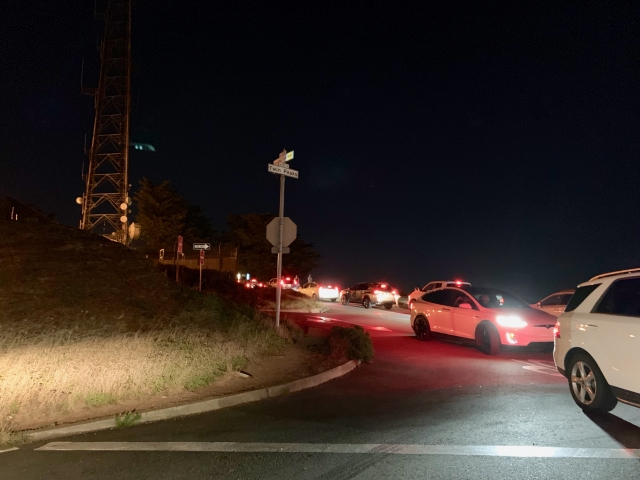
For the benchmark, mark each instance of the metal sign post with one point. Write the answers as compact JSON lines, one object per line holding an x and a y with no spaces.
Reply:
{"x":281,"y":168}
{"x":201,"y":262}
{"x":202,"y":247}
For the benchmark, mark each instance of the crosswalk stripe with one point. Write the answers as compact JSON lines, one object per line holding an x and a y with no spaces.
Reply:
{"x":346,"y":448}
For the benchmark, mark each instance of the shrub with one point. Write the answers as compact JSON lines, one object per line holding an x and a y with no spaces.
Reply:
{"x":353,"y":343}
{"x":127,"y":419}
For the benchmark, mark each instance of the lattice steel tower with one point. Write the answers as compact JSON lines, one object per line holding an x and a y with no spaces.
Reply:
{"x":106,"y":197}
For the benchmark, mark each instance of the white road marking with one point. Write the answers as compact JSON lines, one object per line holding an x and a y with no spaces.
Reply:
{"x":347,"y":448}
{"x":540,"y":367}
{"x":9,"y":450}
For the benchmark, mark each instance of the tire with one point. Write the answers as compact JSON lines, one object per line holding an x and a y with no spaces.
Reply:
{"x":422,"y":328}
{"x":314,"y":297}
{"x":333,"y":299}
{"x":388,"y":306}
{"x":587,"y":385}
{"x":344,"y":300}
{"x":488,"y":339}
{"x":366,"y":303}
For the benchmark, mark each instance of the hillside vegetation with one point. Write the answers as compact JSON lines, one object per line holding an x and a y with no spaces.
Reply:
{"x":86,"y":322}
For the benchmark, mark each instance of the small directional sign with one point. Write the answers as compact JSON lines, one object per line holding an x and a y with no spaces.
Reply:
{"x":202,"y":246}
{"x":284,"y":157}
{"x":180,"y":243}
{"x":201,"y":257}
{"x":283,"y":171}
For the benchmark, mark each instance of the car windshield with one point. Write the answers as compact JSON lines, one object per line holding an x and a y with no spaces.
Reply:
{"x":492,"y":298}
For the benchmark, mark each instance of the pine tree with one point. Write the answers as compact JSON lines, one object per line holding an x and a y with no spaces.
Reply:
{"x":161,"y":214}
{"x":248,"y":232}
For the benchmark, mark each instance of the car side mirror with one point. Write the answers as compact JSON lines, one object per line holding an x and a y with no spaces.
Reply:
{"x":465,"y":305}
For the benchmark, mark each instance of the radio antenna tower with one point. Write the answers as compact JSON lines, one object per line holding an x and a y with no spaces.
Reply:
{"x":105,"y":203}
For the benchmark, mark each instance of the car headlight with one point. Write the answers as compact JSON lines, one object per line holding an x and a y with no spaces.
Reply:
{"x":510,"y":321}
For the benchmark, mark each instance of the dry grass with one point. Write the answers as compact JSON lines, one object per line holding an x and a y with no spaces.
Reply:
{"x":292,"y":300}
{"x":58,"y":372}
{"x":85,"y":322}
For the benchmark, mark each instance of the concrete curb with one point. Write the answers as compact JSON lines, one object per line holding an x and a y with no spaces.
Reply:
{"x":200,"y":407}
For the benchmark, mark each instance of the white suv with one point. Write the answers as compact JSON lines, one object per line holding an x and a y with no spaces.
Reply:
{"x":597,"y":341}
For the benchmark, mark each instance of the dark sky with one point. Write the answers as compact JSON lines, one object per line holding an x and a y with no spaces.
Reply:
{"x":493,"y":142}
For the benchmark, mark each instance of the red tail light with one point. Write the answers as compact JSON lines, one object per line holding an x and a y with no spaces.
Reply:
{"x":556,"y":330}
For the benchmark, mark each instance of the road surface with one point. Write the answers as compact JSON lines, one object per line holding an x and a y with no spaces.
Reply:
{"x":435,"y":410}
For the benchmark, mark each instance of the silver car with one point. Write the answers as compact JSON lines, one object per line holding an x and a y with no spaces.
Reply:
{"x":369,"y":294}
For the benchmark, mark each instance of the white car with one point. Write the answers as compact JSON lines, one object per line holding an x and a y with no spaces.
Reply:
{"x":418,"y":292}
{"x":320,"y":292}
{"x":597,"y":341}
{"x":554,"y":303}
{"x":490,"y":317}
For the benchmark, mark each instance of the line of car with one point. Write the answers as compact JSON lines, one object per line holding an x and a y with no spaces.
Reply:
{"x":594,"y":330}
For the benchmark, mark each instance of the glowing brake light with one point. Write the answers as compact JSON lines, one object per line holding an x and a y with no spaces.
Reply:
{"x":383,"y":285}
{"x":556,"y":330}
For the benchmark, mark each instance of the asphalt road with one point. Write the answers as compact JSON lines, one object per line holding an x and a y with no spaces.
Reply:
{"x":437,"y":409}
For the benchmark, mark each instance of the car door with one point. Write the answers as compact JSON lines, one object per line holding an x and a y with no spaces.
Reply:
{"x":355,"y":292}
{"x":465,"y":315}
{"x":438,"y":310}
{"x":612,"y":334}
{"x":363,"y":288}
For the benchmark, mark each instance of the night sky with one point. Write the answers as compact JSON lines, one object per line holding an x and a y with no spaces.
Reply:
{"x":496,"y":143}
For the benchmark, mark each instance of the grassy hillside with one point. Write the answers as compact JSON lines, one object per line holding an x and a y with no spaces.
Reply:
{"x":86,"y":322}
{"x":52,"y":276}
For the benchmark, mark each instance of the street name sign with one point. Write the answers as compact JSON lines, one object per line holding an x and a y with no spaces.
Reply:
{"x":273,"y":232}
{"x":280,"y":170}
{"x":202,"y":246}
{"x":284,"y":250}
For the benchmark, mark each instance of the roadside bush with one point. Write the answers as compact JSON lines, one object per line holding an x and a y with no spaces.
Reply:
{"x":352,"y":343}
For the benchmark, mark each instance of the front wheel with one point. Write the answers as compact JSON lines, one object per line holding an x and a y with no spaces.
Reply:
{"x":388,"y":306}
{"x":314,"y":297}
{"x":588,"y":387}
{"x":488,"y":339}
{"x":344,"y":300}
{"x":422,"y":329}
{"x":366,"y":303}
{"x":333,"y":299}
